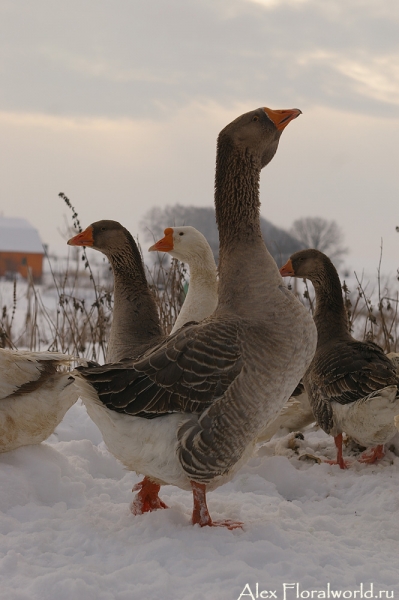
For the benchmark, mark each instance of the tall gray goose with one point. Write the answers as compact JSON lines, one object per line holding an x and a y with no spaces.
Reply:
{"x":189,"y":411}
{"x":189,"y":245}
{"x":135,"y":321}
{"x":351,"y":385}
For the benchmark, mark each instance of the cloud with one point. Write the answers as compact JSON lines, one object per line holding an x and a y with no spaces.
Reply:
{"x":330,"y":163}
{"x":149,"y":58}
{"x":118,"y":105}
{"x":110,"y":168}
{"x":378,"y":78}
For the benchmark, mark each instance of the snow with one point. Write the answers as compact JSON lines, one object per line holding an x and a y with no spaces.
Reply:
{"x":17,"y":235}
{"x":67,"y":531}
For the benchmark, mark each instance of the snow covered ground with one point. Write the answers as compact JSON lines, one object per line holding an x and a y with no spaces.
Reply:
{"x":67,"y":531}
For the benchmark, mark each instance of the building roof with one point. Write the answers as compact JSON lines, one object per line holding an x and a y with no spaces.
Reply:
{"x":18,"y":235}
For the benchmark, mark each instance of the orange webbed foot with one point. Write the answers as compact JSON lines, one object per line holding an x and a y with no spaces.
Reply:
{"x":372,"y":455}
{"x":228,"y":524}
{"x":201,"y":514}
{"x":147,"y":498}
{"x":343,"y":464}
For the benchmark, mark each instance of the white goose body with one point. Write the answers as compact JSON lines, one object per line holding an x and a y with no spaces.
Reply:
{"x":147,"y":446}
{"x":34,"y":396}
{"x":228,"y":376}
{"x":370,"y":421}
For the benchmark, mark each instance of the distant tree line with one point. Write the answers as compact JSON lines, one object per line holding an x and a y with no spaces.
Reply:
{"x":310,"y":232}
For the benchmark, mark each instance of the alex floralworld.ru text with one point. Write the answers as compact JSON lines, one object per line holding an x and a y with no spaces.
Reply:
{"x":293,"y":591}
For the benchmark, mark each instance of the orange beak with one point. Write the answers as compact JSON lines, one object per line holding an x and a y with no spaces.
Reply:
{"x":287,"y":270}
{"x":85,"y":238}
{"x":281,"y":118}
{"x":165,"y":244}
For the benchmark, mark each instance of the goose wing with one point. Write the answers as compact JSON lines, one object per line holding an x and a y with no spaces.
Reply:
{"x":185,"y":373}
{"x":346,"y":374}
{"x":24,"y":372}
{"x":354,"y":370}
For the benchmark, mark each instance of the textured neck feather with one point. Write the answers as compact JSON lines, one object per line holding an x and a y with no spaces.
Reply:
{"x":246,"y":269}
{"x":237,"y":197}
{"x":330,"y":316}
{"x":135,"y":319}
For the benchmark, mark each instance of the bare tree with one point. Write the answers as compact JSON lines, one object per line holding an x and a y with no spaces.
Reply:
{"x":326,"y":236}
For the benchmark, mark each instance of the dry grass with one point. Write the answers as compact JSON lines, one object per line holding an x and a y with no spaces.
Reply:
{"x":81,"y":294}
{"x":80,"y":321}
{"x":168,"y":281}
{"x":372,"y":309}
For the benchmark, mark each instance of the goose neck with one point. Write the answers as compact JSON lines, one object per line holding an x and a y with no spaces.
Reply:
{"x":204,"y":270}
{"x":135,"y":320}
{"x":246,"y":269}
{"x":237,"y":197}
{"x":330,"y":315}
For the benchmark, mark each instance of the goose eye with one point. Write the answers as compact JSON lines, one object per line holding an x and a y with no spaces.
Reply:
{"x":102,"y":228}
{"x":181,"y":233}
{"x":255,"y":118}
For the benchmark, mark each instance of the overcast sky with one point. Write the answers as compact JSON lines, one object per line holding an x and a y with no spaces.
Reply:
{"x":118,"y":105}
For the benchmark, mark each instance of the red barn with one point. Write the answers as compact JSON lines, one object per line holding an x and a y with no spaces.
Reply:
{"x":20,"y":248}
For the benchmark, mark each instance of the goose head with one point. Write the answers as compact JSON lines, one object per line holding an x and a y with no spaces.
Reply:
{"x":185,"y":243}
{"x":258,"y":132}
{"x":109,"y":237}
{"x":308,"y":264}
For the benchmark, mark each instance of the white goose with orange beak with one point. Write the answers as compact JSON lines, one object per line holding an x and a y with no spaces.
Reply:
{"x":188,"y":245}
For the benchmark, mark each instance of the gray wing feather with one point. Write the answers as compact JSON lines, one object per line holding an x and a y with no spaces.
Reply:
{"x":185,"y":373}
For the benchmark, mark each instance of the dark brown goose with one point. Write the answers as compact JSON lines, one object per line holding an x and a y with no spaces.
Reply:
{"x":189,"y":411}
{"x":135,"y":321}
{"x":351,"y":385}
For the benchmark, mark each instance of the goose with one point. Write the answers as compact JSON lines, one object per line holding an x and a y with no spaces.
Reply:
{"x":135,"y":324}
{"x":190,"y":246}
{"x":35,"y":394}
{"x":188,"y":412}
{"x":296,"y":414}
{"x":352,"y":385}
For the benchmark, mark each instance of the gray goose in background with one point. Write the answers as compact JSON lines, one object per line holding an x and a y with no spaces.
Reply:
{"x":351,"y":385}
{"x":189,"y":411}
{"x":135,"y":321}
